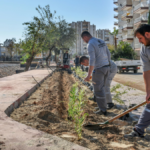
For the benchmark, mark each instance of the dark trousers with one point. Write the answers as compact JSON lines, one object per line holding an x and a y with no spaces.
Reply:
{"x":144,"y":120}
{"x":100,"y":76}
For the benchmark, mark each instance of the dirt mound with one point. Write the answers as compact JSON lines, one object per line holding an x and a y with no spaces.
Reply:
{"x":47,"y":110}
{"x":48,"y":116}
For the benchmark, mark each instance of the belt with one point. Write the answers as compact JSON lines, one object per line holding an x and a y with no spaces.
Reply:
{"x":103,"y":66}
{"x":106,"y":66}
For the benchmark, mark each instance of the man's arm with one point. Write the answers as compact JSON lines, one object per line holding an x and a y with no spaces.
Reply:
{"x":89,"y":73}
{"x":146,"y":72}
{"x":91,"y":52}
{"x":146,"y":76}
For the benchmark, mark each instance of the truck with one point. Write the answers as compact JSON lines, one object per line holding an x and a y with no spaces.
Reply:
{"x":125,"y":65}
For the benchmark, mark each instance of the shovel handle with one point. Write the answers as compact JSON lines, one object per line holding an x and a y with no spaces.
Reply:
{"x":126,"y":112}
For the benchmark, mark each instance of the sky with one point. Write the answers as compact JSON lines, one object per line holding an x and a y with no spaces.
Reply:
{"x":13,"y":13}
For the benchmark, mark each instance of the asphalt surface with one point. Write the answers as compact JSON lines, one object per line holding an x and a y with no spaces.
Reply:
{"x":134,"y":80}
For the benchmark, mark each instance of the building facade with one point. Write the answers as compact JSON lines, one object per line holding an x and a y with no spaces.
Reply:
{"x":130,"y":14}
{"x":80,"y":47}
{"x":105,"y":35}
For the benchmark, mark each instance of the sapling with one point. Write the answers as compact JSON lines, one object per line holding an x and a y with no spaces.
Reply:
{"x":76,"y":111}
{"x":118,"y":93}
{"x":80,"y":73}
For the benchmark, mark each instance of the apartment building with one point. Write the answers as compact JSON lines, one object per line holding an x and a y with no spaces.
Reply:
{"x":80,"y":47}
{"x":130,"y":14}
{"x":105,"y":35}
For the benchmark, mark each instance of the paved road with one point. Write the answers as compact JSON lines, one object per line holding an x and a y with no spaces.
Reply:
{"x":131,"y":79}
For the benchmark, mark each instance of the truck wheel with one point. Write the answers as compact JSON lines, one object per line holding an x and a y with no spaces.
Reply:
{"x":135,"y":71}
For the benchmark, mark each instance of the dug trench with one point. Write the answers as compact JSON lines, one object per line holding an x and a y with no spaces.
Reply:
{"x":47,"y":110}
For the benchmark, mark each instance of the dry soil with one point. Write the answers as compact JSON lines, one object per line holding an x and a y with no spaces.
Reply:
{"x":46,"y":110}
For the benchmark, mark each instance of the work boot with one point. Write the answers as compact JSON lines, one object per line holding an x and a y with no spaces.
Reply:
{"x":110,"y":105}
{"x":134,"y":133}
{"x":96,"y":108}
{"x":100,"y":112}
{"x":92,"y":98}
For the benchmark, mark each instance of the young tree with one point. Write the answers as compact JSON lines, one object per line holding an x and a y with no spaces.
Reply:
{"x":33,"y":43}
{"x":115,"y":33}
{"x":59,"y":34}
{"x":50,"y":28}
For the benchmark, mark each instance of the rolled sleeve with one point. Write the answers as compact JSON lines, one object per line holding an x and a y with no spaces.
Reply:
{"x":145,"y":60}
{"x":91,"y":53}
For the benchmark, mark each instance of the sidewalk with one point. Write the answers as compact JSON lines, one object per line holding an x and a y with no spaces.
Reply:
{"x":14,"y":135}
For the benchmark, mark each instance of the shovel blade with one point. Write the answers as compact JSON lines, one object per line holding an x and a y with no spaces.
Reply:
{"x":95,"y":125}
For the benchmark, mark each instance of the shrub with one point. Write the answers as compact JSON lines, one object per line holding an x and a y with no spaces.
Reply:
{"x":124,"y":50}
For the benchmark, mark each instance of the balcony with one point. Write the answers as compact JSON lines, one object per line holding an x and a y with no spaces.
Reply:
{"x":116,"y":2}
{"x":126,"y":16}
{"x":116,"y":23}
{"x":116,"y":16}
{"x":127,"y":27}
{"x":116,"y":9}
{"x":128,"y":37}
{"x":141,"y":20}
{"x":127,"y":5}
{"x":141,"y":7}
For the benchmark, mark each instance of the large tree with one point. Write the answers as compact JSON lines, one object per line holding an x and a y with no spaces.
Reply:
{"x":59,"y":33}
{"x":33,"y":42}
{"x":50,"y":29}
{"x":46,"y":34}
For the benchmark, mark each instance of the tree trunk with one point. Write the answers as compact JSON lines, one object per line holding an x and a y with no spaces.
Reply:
{"x":55,"y":57}
{"x":28,"y":63}
{"x":115,"y":43}
{"x":49,"y":55}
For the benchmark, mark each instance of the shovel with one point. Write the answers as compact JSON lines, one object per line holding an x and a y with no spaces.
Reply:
{"x":116,"y":117}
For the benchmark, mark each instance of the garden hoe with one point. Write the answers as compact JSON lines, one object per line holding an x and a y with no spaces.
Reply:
{"x":116,"y":117}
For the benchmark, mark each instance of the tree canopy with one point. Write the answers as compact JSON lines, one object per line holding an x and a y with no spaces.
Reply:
{"x":124,"y":50}
{"x":46,"y":33}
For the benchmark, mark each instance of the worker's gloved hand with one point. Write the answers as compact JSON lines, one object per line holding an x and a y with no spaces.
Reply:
{"x":87,"y":78}
{"x":148,"y":98}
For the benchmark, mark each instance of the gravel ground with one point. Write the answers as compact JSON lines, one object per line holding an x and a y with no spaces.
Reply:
{"x":8,"y":69}
{"x":133,"y":96}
